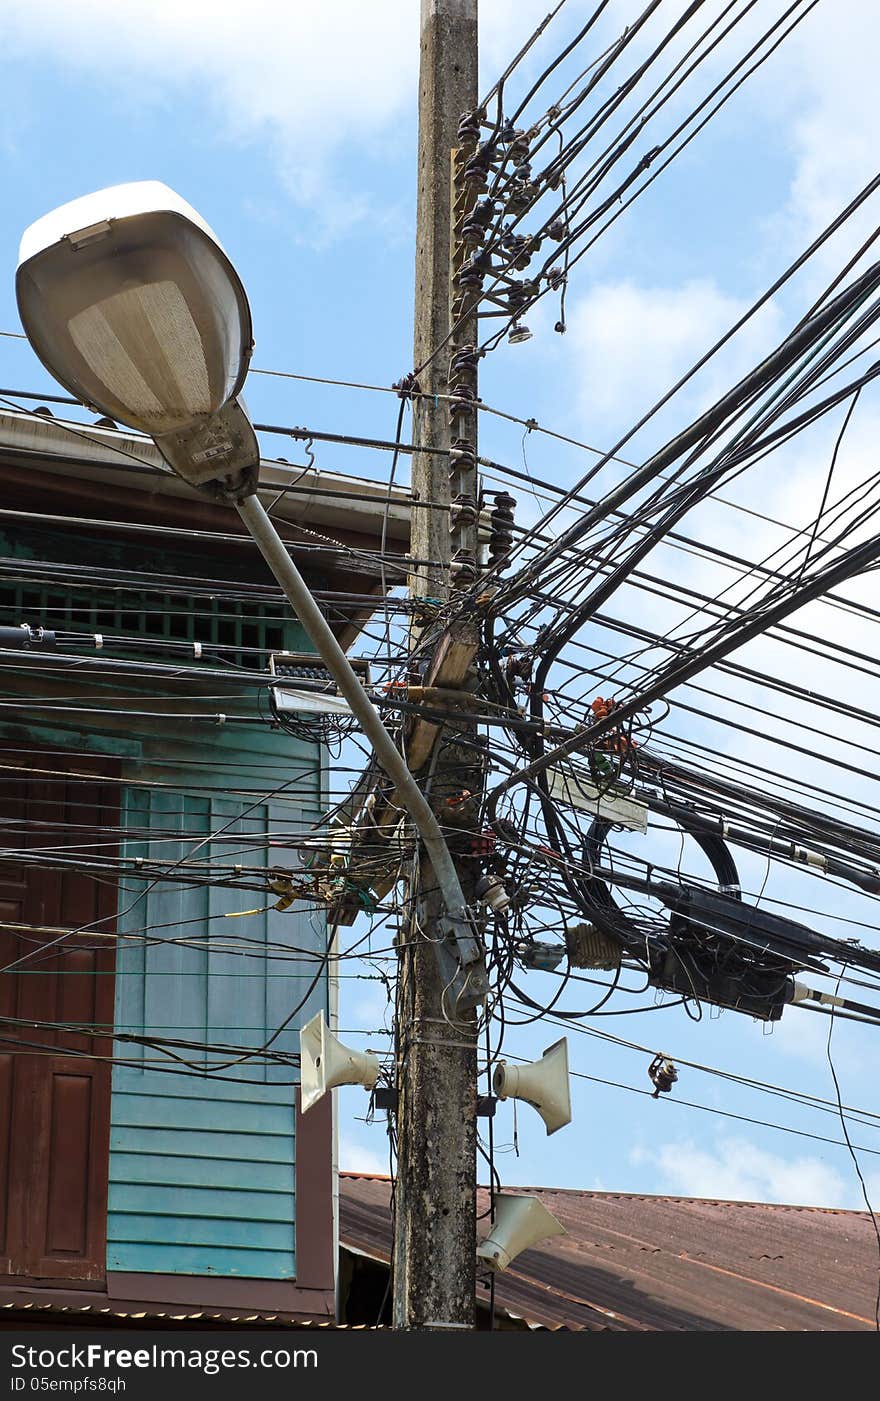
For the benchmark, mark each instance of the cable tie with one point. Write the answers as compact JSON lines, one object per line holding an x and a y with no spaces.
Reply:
{"x":809,"y":858}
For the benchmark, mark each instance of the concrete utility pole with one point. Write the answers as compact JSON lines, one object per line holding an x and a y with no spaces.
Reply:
{"x":435,"y":1198}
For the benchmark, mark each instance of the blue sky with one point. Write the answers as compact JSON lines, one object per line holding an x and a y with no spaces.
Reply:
{"x":292,"y":129}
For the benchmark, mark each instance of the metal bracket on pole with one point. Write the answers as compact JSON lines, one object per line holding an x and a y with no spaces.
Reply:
{"x":461,"y":963}
{"x":385,"y":1097}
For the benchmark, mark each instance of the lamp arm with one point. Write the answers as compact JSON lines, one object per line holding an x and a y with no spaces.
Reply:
{"x":472,"y":982}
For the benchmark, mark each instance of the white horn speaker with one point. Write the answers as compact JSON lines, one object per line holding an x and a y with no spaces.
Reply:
{"x":519,"y":1223}
{"x":325,"y":1062}
{"x":541,"y":1083}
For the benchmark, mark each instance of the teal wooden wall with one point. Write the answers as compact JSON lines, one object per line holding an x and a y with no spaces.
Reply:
{"x":202,"y":1164}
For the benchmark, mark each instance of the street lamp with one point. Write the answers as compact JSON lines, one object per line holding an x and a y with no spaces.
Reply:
{"x":129,"y":300}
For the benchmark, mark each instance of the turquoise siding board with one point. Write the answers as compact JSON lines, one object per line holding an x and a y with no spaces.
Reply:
{"x":135,"y":1167}
{"x":171,"y":1140}
{"x":202,"y":1165}
{"x":202,"y":1260}
{"x":205,"y":1231}
{"x":190,"y":1114}
{"x":202,"y":1200}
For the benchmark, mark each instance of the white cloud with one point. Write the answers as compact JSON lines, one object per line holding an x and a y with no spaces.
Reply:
{"x":354,"y":1157}
{"x":312,"y":81}
{"x":307,"y":78}
{"x":737,"y":1170}
{"x":837,"y":137}
{"x":822,"y":98}
{"x":632,"y":343}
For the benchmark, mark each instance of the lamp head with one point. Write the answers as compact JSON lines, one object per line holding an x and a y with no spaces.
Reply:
{"x":131,"y":303}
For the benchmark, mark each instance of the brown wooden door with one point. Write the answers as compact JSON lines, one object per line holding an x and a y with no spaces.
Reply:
{"x":54,"y":1089}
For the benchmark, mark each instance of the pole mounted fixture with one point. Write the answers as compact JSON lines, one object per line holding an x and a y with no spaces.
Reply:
{"x":129,"y":300}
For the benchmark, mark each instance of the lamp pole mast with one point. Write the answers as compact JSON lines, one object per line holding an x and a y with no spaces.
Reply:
{"x":435,"y":1193}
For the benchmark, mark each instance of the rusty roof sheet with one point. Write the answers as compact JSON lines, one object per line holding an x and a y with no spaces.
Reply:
{"x":636,"y":1263}
{"x":52,"y":1313}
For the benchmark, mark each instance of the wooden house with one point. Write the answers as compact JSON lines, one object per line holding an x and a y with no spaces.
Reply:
{"x":151,"y":1156}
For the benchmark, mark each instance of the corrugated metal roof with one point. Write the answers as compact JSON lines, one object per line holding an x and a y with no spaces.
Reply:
{"x":637,"y":1263}
{"x":54,"y":1314}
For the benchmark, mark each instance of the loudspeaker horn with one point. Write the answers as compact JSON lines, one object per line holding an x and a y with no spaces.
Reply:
{"x":541,"y":1083}
{"x":519,"y":1223}
{"x":326,"y":1062}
